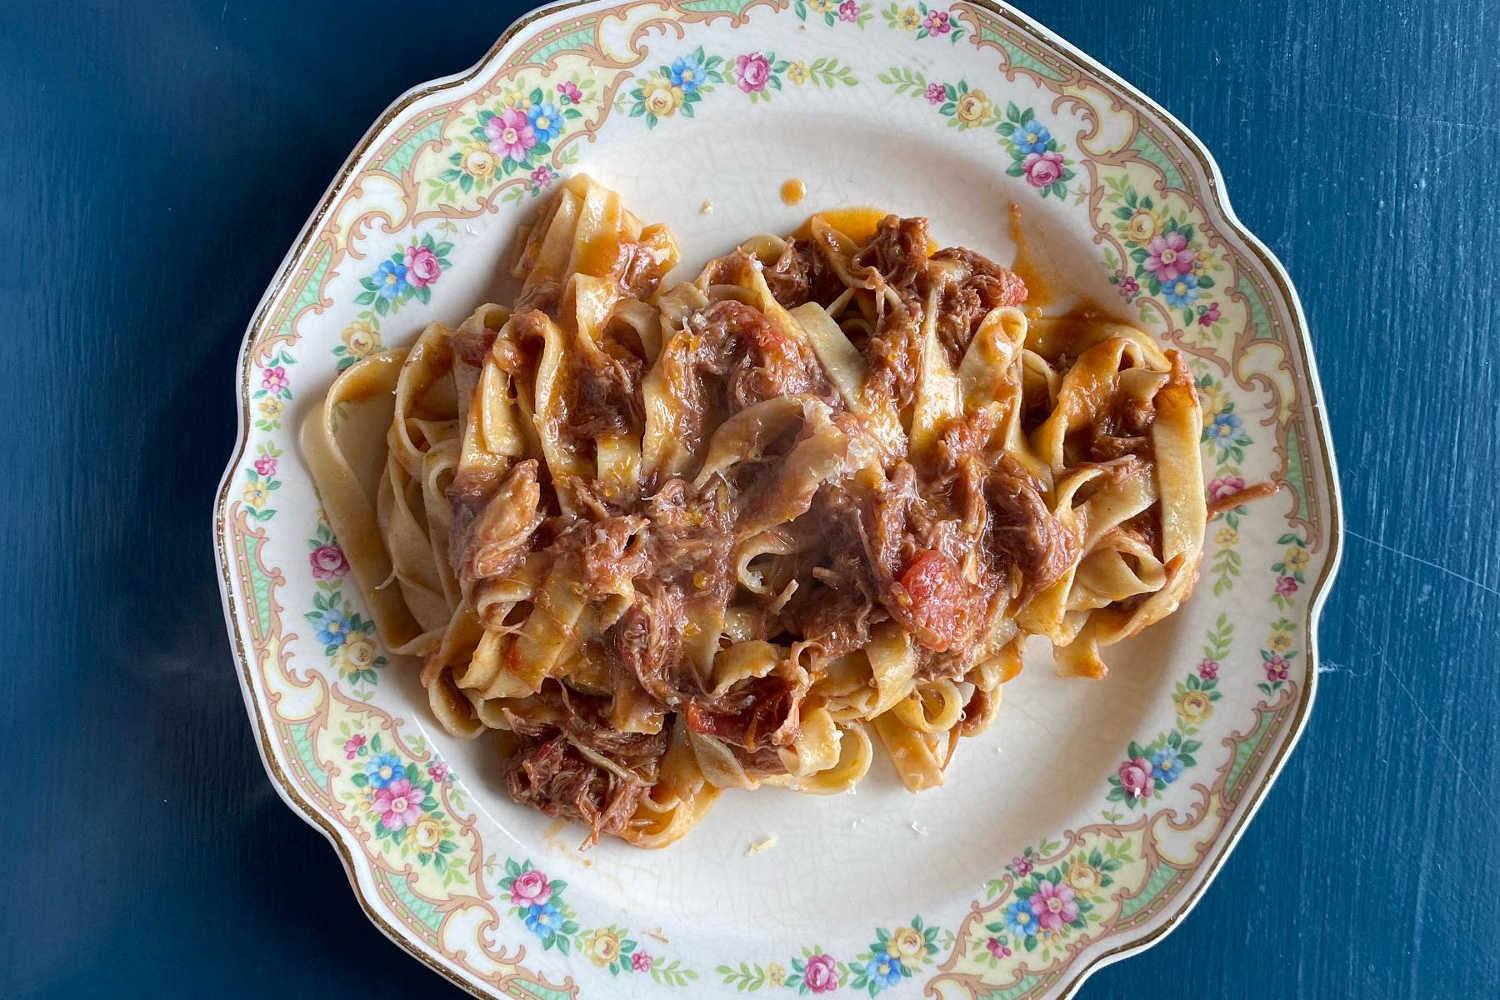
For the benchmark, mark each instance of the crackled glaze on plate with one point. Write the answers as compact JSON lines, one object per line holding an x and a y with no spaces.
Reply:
{"x":1091,"y":815}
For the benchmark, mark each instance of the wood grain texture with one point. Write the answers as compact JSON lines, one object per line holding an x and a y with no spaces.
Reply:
{"x":142,"y":145}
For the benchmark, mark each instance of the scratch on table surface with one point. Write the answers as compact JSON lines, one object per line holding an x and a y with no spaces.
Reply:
{"x":1403,"y":119}
{"x":1426,"y":562}
{"x":1329,"y":667}
{"x":1480,"y":795}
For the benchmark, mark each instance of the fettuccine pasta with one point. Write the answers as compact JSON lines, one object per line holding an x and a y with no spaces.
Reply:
{"x":741,"y":531}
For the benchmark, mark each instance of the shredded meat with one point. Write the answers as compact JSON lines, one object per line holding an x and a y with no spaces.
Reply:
{"x":896,"y":259}
{"x":801,"y":275}
{"x":1024,"y":536}
{"x":836,"y":601}
{"x":542,"y":294}
{"x":728,"y":357}
{"x":898,"y":253}
{"x":648,"y":641}
{"x":644,"y":262}
{"x":492,"y":534}
{"x":604,"y":393}
{"x":471,"y":348}
{"x":760,"y":360}
{"x":572,"y":763}
{"x":970,"y":288}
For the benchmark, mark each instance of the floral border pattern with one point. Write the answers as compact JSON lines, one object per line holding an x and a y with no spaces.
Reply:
{"x":1164,"y":259}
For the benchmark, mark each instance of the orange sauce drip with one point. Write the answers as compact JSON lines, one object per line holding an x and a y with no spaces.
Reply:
{"x":856,"y":222}
{"x":1037,"y":292}
{"x":793,"y":191}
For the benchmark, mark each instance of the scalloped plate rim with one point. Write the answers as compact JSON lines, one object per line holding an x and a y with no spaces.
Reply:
{"x":1217,"y":197}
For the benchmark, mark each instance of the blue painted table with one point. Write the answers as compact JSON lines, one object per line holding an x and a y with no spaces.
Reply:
{"x":157,"y":160}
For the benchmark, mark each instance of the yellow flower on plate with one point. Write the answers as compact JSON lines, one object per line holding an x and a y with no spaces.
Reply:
{"x":323,"y":518}
{"x":602,"y":947}
{"x":1212,"y":399}
{"x":1194,"y":707}
{"x":797,"y":72}
{"x":1297,"y":559}
{"x":823,"y":6}
{"x":972,"y":107}
{"x":910,"y":19}
{"x":660,"y":97}
{"x":256,"y":495}
{"x":1280,"y":642}
{"x":1082,"y":877}
{"x":270,"y":408}
{"x":427,"y":834}
{"x":1203,"y":262}
{"x":775,"y":975}
{"x":478,"y":162}
{"x":907,"y":944}
{"x":1143,"y":225}
{"x":356,"y":654}
{"x":360,"y":339}
{"x":1227,"y":537}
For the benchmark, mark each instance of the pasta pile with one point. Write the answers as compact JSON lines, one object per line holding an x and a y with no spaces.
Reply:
{"x":662,"y":543}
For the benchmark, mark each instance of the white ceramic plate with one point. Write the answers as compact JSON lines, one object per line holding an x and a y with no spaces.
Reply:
{"x":1035,"y":863}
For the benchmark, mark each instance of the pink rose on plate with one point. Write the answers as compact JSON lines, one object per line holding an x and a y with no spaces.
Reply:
{"x":530,"y":888}
{"x":640,"y":962}
{"x":849,"y":11}
{"x":1168,"y":257}
{"x":821,"y":974}
{"x":438,"y":771}
{"x":398,"y":804}
{"x":570,"y":93}
{"x":1043,"y":169}
{"x":1277,"y":668}
{"x":511,"y":134}
{"x":541,"y":176}
{"x":265,"y":465}
{"x":352,"y":745}
{"x":1208,"y":669}
{"x":936,"y":22}
{"x":752,"y":71}
{"x":1286,"y":586}
{"x":1021,"y":864}
{"x":1210,"y":316}
{"x":1129,"y":286}
{"x":1135,"y":778}
{"x":996,"y":948}
{"x":1053,"y":905}
{"x":274,"y":379}
{"x":327,"y":561}
{"x":422,"y":267}
{"x":936,"y":93}
{"x":1225,"y":486}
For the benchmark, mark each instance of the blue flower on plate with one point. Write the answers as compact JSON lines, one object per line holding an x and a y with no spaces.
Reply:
{"x":333,"y":628}
{"x":1181,"y":291}
{"x":1225,"y":428}
{"x":1020,"y":920}
{"x":385,"y":769}
{"x":883,"y":970}
{"x":1032,"y":137}
{"x":687,"y":73}
{"x":390,"y":280}
{"x":546,"y":121}
{"x":1166,"y":765}
{"x":543,"y":919}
